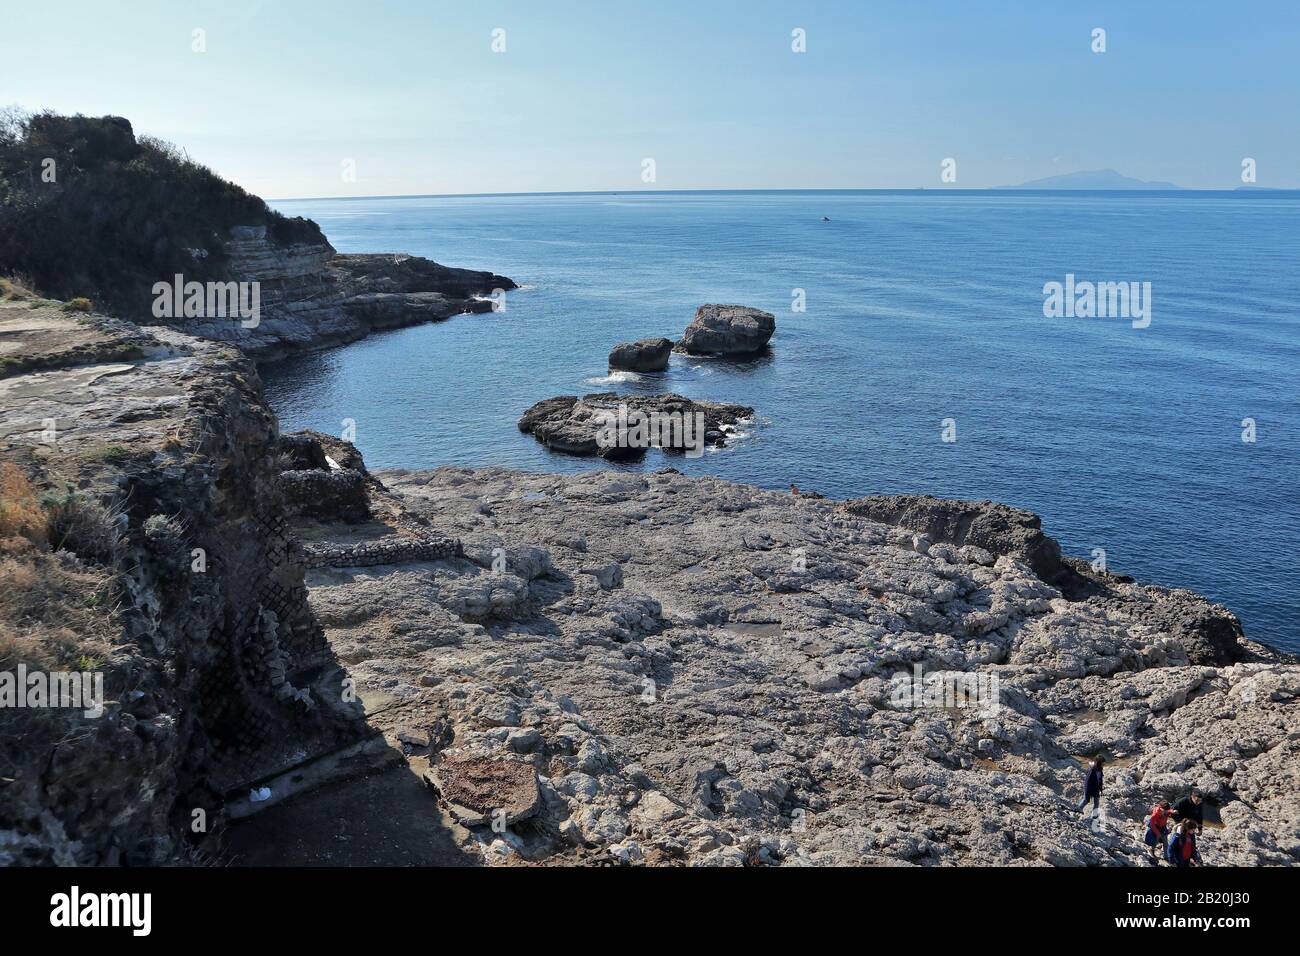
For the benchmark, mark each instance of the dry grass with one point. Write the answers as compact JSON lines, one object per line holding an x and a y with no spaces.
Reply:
{"x":21,"y":514}
{"x":16,"y":288}
{"x":54,"y":608}
{"x":54,"y":612}
{"x":79,"y":304}
{"x":57,"y":613}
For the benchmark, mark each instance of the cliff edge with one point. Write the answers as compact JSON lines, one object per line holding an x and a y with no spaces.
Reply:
{"x":144,"y":548}
{"x":88,"y":210}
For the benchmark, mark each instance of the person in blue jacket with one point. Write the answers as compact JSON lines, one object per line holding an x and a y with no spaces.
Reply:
{"x":1092,"y":786}
{"x":1183,"y":850}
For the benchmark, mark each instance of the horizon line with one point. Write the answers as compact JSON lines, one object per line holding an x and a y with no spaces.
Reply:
{"x":804,"y":189}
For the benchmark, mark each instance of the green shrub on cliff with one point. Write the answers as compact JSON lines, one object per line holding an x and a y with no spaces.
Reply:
{"x":86,"y":208}
{"x":78,"y":523}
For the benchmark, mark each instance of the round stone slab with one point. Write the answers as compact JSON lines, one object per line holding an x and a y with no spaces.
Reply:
{"x":474,"y":788}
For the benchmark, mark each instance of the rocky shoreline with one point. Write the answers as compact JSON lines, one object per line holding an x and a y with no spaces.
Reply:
{"x":512,"y":668}
{"x":705,"y":673}
{"x":314,"y":298}
{"x":238,"y":271}
{"x":687,"y":670}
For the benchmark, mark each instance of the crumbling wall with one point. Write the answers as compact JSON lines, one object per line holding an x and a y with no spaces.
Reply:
{"x":220,"y":676}
{"x":339,"y":494}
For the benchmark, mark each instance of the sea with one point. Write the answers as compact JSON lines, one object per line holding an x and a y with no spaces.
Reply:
{"x":916,"y":350}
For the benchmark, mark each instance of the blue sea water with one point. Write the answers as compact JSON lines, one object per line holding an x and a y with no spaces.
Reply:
{"x":921,"y":307}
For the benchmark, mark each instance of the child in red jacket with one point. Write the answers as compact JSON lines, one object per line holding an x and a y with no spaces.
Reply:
{"x":1157,"y":836}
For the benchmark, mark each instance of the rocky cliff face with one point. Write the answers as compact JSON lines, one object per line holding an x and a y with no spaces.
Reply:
{"x":149,"y":461}
{"x":311,"y":297}
{"x":123,"y":214}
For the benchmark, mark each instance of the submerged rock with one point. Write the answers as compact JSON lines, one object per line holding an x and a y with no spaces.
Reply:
{"x":727,"y":330}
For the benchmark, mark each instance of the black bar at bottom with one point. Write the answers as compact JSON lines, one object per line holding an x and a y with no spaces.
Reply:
{"x":259,"y":906}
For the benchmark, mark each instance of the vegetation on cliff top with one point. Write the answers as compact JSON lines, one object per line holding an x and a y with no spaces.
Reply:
{"x":58,"y":574}
{"x":88,"y":209}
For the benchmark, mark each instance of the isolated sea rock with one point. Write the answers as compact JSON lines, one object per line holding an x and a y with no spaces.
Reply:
{"x":585,"y":425}
{"x":727,"y":330}
{"x":644,"y":355}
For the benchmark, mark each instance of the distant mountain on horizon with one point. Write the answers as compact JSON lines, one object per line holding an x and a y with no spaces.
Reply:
{"x":1093,"y":179}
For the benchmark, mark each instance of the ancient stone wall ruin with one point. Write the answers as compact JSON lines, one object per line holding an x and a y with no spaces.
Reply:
{"x":220,"y":675}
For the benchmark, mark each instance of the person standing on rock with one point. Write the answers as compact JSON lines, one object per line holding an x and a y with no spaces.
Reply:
{"x":1157,"y":835}
{"x":1092,"y":787}
{"x":1190,"y":808}
{"x":1182,"y":849}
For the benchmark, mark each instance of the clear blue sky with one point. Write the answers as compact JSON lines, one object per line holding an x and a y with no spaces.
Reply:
{"x":412,"y":92}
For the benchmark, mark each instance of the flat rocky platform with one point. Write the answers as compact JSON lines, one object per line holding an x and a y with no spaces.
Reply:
{"x":705,"y":673}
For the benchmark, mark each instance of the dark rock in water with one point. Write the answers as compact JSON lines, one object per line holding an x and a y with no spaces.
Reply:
{"x":644,"y":355}
{"x":727,"y":330}
{"x":617,"y":426}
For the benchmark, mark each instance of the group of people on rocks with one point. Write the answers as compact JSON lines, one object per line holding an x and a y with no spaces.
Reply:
{"x":1172,"y":831}
{"x":1187,"y":818}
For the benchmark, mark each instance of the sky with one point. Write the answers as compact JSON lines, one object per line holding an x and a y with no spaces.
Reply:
{"x":388,"y":97}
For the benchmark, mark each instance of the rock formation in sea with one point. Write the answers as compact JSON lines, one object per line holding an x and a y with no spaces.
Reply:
{"x":644,"y":355}
{"x":614,"y":426}
{"x":727,"y":330}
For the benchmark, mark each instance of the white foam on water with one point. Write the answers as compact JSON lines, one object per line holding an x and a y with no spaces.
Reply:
{"x":613,"y":378}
